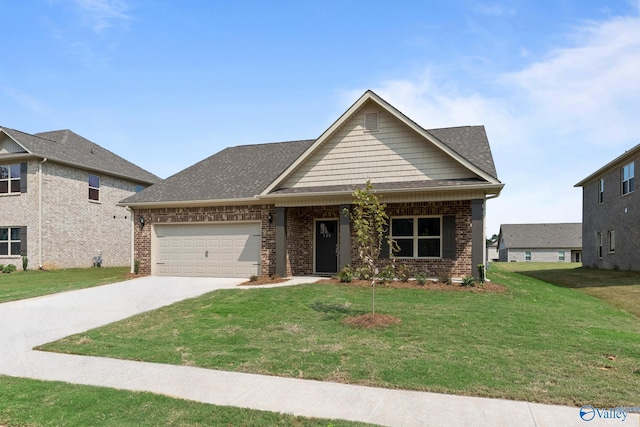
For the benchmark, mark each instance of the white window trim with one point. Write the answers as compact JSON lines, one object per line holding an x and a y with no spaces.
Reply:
{"x":631,"y":168}
{"x":11,"y":178}
{"x":599,"y":245}
{"x":527,"y":253}
{"x":561,"y":256}
{"x":601,"y":191}
{"x":9,"y":241}
{"x":93,"y":188}
{"x":415,"y":236}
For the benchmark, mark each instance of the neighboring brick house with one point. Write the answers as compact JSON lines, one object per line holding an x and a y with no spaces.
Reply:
{"x":278,"y":208}
{"x":611,"y":215}
{"x":58,"y":200}
{"x":540,"y":242}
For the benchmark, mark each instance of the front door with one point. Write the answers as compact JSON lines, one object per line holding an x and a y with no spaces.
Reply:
{"x":326,"y":246}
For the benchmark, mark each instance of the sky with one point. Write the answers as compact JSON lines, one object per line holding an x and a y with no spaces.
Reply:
{"x":166,"y":84}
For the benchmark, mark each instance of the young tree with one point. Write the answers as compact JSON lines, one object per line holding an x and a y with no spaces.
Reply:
{"x":369,"y":220}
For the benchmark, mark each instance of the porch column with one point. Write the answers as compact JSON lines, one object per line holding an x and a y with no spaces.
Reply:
{"x":344,"y":256}
{"x":477,"y":235}
{"x":281,"y":241}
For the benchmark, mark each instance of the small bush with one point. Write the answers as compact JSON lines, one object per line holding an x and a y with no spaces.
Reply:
{"x":1,"y":268}
{"x":421,"y":278}
{"x":445,"y":278}
{"x":136,"y":266}
{"x":253,"y":278}
{"x":364,"y":273}
{"x":480,"y":273}
{"x":405,"y":272}
{"x":387,"y":274}
{"x":25,"y":263}
{"x":346,"y":274}
{"x":468,"y":281}
{"x":9,"y":268}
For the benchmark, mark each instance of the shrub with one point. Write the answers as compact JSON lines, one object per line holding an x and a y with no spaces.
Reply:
{"x":25,"y":263}
{"x":136,"y":266}
{"x":9,"y":268}
{"x":364,"y":273}
{"x":1,"y":267}
{"x":421,"y":278}
{"x":253,"y":278}
{"x":468,"y":281}
{"x":405,"y":272}
{"x":445,"y":278}
{"x":346,"y":274}
{"x":387,"y":274}
{"x":481,"y":273}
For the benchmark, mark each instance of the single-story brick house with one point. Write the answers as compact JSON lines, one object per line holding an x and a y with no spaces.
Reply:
{"x":552,"y":242}
{"x":277,"y":208}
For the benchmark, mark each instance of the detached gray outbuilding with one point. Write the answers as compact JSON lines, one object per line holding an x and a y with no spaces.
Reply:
{"x":540,"y":242}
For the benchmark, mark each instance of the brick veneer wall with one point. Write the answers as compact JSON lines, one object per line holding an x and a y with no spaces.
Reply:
{"x":300,"y":233}
{"x":300,"y":237}
{"x":142,"y":236}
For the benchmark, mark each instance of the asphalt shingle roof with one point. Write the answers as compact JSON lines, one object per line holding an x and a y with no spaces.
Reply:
{"x":533,"y":236}
{"x":234,"y":173}
{"x":68,"y":147}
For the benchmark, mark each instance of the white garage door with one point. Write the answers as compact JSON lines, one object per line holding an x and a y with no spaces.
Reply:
{"x":208,"y":250}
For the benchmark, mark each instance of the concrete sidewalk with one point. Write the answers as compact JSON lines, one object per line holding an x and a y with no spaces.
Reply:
{"x":28,"y":323}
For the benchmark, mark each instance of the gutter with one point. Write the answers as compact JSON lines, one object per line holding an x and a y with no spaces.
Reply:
{"x":40,"y":169}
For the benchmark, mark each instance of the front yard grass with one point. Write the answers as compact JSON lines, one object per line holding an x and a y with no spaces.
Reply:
{"x":536,"y":342}
{"x":27,"y":402}
{"x":33,"y":283}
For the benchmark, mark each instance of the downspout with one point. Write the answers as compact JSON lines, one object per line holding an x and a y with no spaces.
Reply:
{"x":40,"y":168}
{"x":131,"y":260}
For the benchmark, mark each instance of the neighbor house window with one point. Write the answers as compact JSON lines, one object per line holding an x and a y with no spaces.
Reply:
{"x":94,"y":187}
{"x":611,"y":234}
{"x":601,"y":191}
{"x":10,"y":241}
{"x":417,"y":237}
{"x":599,"y":244}
{"x":628,"y":179}
{"x":527,"y":255}
{"x":560,"y":255}
{"x":9,"y":179}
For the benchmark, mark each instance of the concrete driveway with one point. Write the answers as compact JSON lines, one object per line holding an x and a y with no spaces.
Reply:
{"x":28,"y":323}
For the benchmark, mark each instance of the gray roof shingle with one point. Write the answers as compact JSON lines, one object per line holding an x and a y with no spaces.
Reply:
{"x":470,"y":142}
{"x":68,"y":147}
{"x":540,"y":236}
{"x":234,"y":173}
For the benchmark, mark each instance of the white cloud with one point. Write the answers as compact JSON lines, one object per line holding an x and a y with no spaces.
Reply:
{"x":102,"y":14}
{"x":550,"y":124}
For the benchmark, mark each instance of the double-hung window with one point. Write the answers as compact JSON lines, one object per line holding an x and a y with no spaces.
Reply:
{"x":560,"y":255}
{"x":527,"y":255}
{"x":417,"y":237}
{"x":94,"y":187}
{"x":10,"y":241}
{"x":599,"y":244}
{"x":628,"y":179}
{"x":601,"y":191}
{"x":611,"y":234}
{"x":9,"y":179}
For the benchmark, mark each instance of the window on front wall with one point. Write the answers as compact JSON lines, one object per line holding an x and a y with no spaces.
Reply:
{"x":560,"y":255}
{"x":628,"y":179}
{"x":527,"y":255}
{"x":94,"y":187}
{"x":599,"y":244}
{"x":9,"y":179}
{"x":10,"y":241}
{"x":601,"y":191}
{"x":417,"y":237}
{"x":611,"y":234}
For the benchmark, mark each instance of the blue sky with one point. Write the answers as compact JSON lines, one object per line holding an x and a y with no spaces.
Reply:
{"x":167,"y":83}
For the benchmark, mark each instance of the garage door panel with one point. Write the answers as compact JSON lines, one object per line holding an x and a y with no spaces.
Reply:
{"x":223,"y":250}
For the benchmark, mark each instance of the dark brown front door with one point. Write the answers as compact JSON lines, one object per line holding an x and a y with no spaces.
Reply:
{"x":327,"y":246}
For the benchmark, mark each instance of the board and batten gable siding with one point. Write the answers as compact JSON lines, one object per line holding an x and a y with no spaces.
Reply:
{"x":393,"y":153}
{"x":8,"y":145}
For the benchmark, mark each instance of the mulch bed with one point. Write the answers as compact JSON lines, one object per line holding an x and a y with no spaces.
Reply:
{"x":370,"y":321}
{"x":429,"y":286}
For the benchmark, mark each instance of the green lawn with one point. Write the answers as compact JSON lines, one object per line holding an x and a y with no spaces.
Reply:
{"x":619,"y":288}
{"x":535,"y":342}
{"x":27,"y":402}
{"x":33,"y":283}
